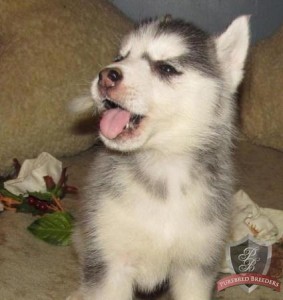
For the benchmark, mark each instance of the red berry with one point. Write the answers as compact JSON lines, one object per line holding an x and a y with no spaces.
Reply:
{"x":32,"y":200}
{"x":43,"y":206}
{"x":37,"y":204}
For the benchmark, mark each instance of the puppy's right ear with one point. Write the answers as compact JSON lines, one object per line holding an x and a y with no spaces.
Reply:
{"x":81,"y":104}
{"x":166,"y":18}
{"x":232,"y":48}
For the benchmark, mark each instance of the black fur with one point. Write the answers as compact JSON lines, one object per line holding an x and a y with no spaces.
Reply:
{"x":94,"y":269}
{"x":201,"y":53}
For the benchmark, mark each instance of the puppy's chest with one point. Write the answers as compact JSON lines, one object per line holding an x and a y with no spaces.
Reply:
{"x":162,"y":180}
{"x":145,"y":220}
{"x":167,"y":203}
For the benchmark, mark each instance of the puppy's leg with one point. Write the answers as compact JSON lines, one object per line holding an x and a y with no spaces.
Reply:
{"x":188,"y":284}
{"x":116,"y":284}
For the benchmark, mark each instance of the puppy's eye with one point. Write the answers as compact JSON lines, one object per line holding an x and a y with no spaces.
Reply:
{"x":166,"y":69}
{"x":118,"y":58}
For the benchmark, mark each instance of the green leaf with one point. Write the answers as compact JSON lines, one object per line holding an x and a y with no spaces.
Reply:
{"x":42,"y":196}
{"x":6,"y":193}
{"x":55,"y":228}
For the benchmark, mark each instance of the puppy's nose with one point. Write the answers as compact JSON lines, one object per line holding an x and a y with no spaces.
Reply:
{"x":109,"y":78}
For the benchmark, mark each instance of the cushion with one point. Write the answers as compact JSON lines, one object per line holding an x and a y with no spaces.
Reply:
{"x":49,"y":53}
{"x":261,"y":102}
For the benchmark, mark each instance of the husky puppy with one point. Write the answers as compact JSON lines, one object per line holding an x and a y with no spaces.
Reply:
{"x":157,"y":203}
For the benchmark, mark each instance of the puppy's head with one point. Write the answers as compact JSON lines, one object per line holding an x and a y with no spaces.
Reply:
{"x":165,"y":87}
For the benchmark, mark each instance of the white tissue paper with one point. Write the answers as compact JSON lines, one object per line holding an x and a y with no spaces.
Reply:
{"x":31,"y":174}
{"x":265,"y":224}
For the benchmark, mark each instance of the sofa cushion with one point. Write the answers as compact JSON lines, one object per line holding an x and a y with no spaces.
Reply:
{"x":261,"y":102}
{"x":49,"y":53}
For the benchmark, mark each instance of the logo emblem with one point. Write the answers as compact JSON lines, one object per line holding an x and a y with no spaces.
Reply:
{"x":249,"y":256}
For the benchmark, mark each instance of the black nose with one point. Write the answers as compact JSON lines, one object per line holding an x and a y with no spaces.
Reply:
{"x":114,"y":75}
{"x":109,"y":77}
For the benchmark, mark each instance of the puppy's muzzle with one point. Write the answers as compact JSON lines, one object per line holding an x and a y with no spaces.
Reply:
{"x":109,"y":78}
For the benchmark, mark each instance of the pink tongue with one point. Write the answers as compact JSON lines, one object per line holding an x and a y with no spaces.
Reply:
{"x":113,"y":122}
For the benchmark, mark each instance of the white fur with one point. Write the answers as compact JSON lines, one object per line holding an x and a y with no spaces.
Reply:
{"x":232,"y":47}
{"x":145,"y":238}
{"x":144,"y":235}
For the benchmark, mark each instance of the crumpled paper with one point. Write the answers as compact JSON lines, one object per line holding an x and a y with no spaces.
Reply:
{"x":265,"y":224}
{"x":30,"y":177}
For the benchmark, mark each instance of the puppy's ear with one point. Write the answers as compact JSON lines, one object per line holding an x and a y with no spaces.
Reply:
{"x":232,"y":48}
{"x":166,"y":18}
{"x":81,"y":104}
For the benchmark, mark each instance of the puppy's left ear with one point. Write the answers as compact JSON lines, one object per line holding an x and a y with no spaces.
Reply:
{"x":232,"y":48}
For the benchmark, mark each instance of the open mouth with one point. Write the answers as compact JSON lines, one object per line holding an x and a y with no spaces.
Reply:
{"x":116,"y":120}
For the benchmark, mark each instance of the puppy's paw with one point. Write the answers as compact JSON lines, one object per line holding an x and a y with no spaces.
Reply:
{"x":77,"y":295}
